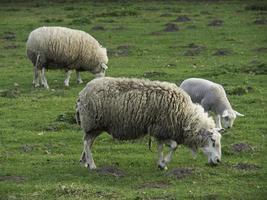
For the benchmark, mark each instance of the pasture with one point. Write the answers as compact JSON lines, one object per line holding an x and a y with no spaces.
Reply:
{"x":40,"y":143}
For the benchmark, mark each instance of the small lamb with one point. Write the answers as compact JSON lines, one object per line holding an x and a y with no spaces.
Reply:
{"x":213,"y":98}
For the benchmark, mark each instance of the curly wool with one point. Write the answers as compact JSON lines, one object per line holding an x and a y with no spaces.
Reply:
{"x":131,"y":108}
{"x":66,"y":48}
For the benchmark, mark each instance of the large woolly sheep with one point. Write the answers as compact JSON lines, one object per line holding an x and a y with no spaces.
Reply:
{"x":64,"y":48}
{"x":213,"y":98}
{"x":131,"y":108}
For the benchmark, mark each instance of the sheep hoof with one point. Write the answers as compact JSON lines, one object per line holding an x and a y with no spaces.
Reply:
{"x":162,"y":167}
{"x":79,"y":81}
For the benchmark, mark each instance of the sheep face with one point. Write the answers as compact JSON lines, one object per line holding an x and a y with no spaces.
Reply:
{"x":213,"y":146}
{"x":228,"y":118}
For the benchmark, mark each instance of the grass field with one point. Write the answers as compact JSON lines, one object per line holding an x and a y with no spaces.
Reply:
{"x":40,"y":145}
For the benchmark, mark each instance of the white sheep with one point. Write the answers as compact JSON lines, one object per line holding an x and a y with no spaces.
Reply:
{"x":64,"y":48}
{"x":131,"y":108}
{"x":213,"y":98}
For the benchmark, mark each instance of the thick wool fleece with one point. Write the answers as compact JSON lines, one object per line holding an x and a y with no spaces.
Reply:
{"x":131,"y":108}
{"x":65,"y":48}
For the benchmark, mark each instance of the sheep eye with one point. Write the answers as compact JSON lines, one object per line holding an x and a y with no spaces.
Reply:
{"x":213,"y":142}
{"x":227,"y":118}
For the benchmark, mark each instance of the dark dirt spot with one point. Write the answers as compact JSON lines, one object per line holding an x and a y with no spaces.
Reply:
{"x":118,"y":13}
{"x":11,"y":46}
{"x":256,"y":7}
{"x":166,"y":15}
{"x":111,"y":170}
{"x":180,"y":172}
{"x":246,"y":166}
{"x":154,"y":74}
{"x":261,"y":50}
{"x":12,"y":178}
{"x":107,"y":20}
{"x":216,"y":22}
{"x":52,"y":20}
{"x":170,"y":27}
{"x":222,"y":52}
{"x":122,"y":50}
{"x":183,"y":18}
{"x":98,"y":28}
{"x":27,"y":148}
{"x":241,"y":147}
{"x":9,"y":35}
{"x":119,"y":28}
{"x":156,"y":33}
{"x":260,"y":21}
{"x":157,"y":184}
{"x":256,"y":68}
{"x":10,"y":93}
{"x":205,"y":13}
{"x":81,"y":21}
{"x":68,"y":117}
{"x":194,"y":49}
{"x":240,"y":90}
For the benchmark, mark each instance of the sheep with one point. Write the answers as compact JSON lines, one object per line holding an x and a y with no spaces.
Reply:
{"x":131,"y":108}
{"x":64,"y":48}
{"x":213,"y":98}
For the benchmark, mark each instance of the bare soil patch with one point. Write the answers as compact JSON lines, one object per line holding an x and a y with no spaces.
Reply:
{"x":223,"y":52}
{"x":157,"y":184}
{"x":154,"y":74}
{"x":27,"y":148}
{"x":11,"y":46}
{"x":12,"y":178}
{"x":194,"y":49}
{"x":110,"y":170}
{"x":257,"y":7}
{"x":260,"y":21}
{"x":180,"y":172}
{"x":240,"y":90}
{"x":241,"y":147}
{"x":9,"y":35}
{"x":216,"y":22}
{"x":246,"y":166}
{"x":166,"y":15}
{"x":183,"y":18}
{"x":98,"y":28}
{"x":261,"y":50}
{"x":171,"y":27}
{"x":122,"y":50}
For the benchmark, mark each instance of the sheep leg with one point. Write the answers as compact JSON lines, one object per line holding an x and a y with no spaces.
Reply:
{"x":35,"y":81}
{"x":161,"y":163}
{"x":67,"y":80}
{"x":43,"y":79}
{"x":173,"y":146}
{"x":79,"y":79}
{"x":218,"y":121}
{"x":89,"y":139}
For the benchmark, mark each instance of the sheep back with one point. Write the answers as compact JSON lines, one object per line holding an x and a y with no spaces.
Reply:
{"x":61,"y":47}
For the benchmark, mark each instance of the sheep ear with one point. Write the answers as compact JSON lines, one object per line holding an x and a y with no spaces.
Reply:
{"x":104,"y":66}
{"x":238,"y":114}
{"x":225,"y":113}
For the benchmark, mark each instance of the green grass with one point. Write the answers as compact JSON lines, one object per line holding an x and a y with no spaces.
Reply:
{"x":42,"y":149}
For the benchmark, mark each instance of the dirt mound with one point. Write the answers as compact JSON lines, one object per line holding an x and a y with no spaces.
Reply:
{"x":223,"y":52}
{"x":216,"y":22}
{"x":257,"y":7}
{"x":170,"y":27}
{"x":122,"y":50}
{"x":12,"y":178}
{"x":261,"y":50}
{"x":260,"y":21}
{"x":157,"y":184}
{"x":240,"y":90}
{"x":241,"y":147}
{"x":180,"y":172}
{"x":154,"y":74}
{"x":246,"y":166}
{"x":110,"y":170}
{"x":194,"y":49}
{"x":183,"y":18}
{"x":98,"y":28}
{"x":9,"y":35}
